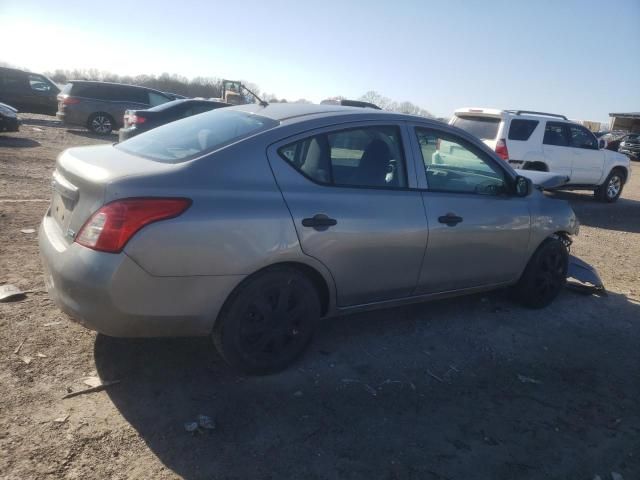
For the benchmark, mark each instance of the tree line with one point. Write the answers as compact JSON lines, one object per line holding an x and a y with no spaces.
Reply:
{"x":208,"y":87}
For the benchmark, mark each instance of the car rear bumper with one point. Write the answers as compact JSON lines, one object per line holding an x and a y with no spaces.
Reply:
{"x":126,"y":133}
{"x":113,"y":295}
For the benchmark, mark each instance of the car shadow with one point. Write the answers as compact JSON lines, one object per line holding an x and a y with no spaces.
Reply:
{"x":87,"y":134}
{"x":433,"y":390}
{"x":41,"y":122}
{"x":17,"y":142}
{"x":621,"y":216}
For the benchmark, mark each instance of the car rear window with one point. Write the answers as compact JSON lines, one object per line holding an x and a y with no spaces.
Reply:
{"x":485,"y":128}
{"x":191,"y":137}
{"x":522,"y":129}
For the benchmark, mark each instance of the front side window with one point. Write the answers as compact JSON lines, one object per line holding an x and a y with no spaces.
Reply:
{"x":39,"y":84}
{"x":454,"y":165}
{"x":358,"y":157}
{"x":556,"y":134}
{"x":582,"y":138}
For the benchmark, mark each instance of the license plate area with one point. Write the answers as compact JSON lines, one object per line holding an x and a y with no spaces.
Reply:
{"x":61,"y":209}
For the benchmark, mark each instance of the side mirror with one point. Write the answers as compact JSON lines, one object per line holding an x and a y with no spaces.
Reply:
{"x":524,"y":186}
{"x":602,"y":143}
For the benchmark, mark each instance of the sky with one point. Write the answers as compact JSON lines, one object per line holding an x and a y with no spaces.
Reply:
{"x":578,"y":58}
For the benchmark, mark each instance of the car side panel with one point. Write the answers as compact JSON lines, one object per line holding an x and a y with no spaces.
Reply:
{"x":238,"y":222}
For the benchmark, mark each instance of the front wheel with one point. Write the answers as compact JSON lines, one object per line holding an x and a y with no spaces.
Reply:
{"x":268,"y":322}
{"x":611,"y":189}
{"x":545,"y":275}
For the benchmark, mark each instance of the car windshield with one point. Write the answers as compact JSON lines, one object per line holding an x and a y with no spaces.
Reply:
{"x":485,"y":128}
{"x":194,"y":136}
{"x":633,"y":138}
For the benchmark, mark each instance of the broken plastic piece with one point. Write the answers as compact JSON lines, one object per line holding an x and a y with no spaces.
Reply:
{"x":10,"y":292}
{"x":583,"y":278}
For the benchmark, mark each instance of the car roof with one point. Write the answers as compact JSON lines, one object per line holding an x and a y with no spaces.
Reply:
{"x":180,"y":101}
{"x":298,"y":112}
{"x":97,"y":82}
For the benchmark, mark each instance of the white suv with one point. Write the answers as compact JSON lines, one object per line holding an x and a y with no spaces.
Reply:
{"x":549,"y":143}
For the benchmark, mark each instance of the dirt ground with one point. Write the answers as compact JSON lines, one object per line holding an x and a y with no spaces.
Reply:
{"x":460,"y":389}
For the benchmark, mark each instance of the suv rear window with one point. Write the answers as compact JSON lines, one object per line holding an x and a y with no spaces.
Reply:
{"x":191,"y":137}
{"x":522,"y":129}
{"x":485,"y":128}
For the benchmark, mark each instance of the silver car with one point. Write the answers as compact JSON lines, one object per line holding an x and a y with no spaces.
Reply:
{"x":251,"y":223}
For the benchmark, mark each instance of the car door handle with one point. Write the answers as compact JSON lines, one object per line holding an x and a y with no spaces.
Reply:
{"x":450,"y":219}
{"x":319,"y":221}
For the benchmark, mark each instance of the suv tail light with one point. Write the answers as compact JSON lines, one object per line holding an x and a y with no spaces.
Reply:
{"x":135,"y":119}
{"x":112,"y":226}
{"x":502,"y":150}
{"x":70,"y":100}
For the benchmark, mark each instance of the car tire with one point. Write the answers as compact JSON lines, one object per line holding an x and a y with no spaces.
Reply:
{"x":544,"y":276}
{"x":611,"y":189}
{"x":268,"y":321}
{"x":101,"y":123}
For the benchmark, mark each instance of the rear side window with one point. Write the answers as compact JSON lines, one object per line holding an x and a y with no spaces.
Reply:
{"x":358,"y":157}
{"x":556,"y":134}
{"x":191,"y":137}
{"x":521,"y":129}
{"x":485,"y":128}
{"x":156,"y":99}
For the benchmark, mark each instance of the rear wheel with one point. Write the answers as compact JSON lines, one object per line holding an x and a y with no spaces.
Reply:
{"x":101,"y":123}
{"x":545,"y":275}
{"x":268,"y":322}
{"x":611,"y":189}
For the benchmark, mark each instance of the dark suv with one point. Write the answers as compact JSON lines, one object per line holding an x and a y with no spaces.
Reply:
{"x":28,"y":92}
{"x":100,"y":106}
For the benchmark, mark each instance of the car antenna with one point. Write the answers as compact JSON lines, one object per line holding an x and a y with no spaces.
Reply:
{"x":263,"y":103}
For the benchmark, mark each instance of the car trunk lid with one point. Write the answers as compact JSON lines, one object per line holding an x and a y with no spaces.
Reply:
{"x":81,"y":178}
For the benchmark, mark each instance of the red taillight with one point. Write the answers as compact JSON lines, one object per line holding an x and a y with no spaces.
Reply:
{"x":135,"y":119}
{"x":111,"y":227}
{"x":70,"y":101}
{"x":502,"y":150}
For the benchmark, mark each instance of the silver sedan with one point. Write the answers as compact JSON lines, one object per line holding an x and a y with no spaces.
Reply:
{"x":251,"y":223}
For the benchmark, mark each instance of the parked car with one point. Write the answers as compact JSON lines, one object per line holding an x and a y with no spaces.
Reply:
{"x":100,"y":106}
{"x":8,"y":118}
{"x":630,"y":146}
{"x":28,"y":92}
{"x":550,"y":143}
{"x":250,"y":223}
{"x":138,"y":121}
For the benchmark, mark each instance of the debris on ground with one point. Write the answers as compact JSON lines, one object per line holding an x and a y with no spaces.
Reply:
{"x":10,"y":292}
{"x":432,"y":375}
{"x":206,"y":422}
{"x":61,"y":419}
{"x":41,"y":355}
{"x":51,"y":324}
{"x":26,"y":360}
{"x":203,"y":422}
{"x":19,"y":347}
{"x":366,"y":386}
{"x":28,"y":230}
{"x":94,"y":386}
{"x":191,"y":426}
{"x":524,"y":379}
